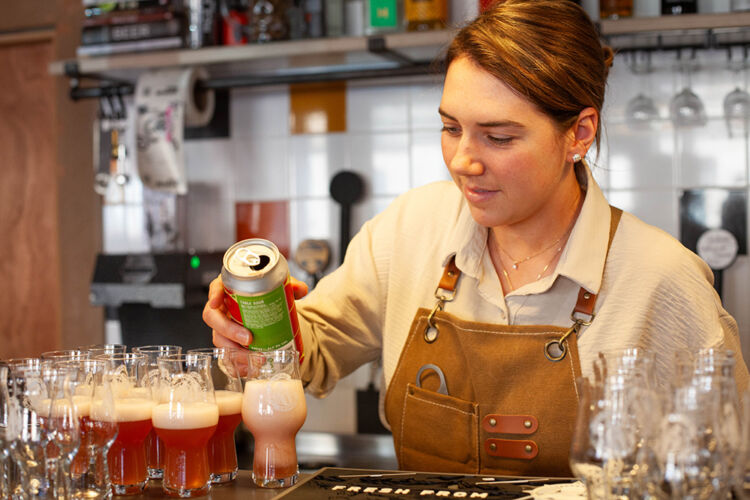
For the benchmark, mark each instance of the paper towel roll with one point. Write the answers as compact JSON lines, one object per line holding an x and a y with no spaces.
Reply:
{"x":166,"y":101}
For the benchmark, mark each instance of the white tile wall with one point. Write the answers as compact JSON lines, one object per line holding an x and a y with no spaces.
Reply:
{"x":393,"y":141}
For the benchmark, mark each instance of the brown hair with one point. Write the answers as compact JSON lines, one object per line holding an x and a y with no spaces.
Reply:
{"x":547,"y":51}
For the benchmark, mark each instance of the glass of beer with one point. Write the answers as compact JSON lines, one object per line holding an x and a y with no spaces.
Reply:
{"x":128,"y":465}
{"x":222,"y":453}
{"x":155,"y":447}
{"x":186,"y":422}
{"x":274,"y":409}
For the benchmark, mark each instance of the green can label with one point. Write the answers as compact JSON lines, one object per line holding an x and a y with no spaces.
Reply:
{"x":267,"y":316}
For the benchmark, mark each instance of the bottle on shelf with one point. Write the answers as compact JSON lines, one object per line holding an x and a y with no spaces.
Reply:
{"x":381,"y":16}
{"x":615,"y":9}
{"x":670,"y":7}
{"x":424,"y":15}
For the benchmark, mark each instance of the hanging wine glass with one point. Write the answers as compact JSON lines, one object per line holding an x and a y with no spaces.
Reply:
{"x":687,"y":109}
{"x":641,"y":110}
{"x":737,"y":102}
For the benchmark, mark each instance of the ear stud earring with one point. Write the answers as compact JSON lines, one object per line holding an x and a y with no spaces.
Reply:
{"x":576,"y":158}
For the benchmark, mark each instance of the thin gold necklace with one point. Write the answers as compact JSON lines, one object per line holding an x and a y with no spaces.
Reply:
{"x":517,"y":262}
{"x":507,"y":276}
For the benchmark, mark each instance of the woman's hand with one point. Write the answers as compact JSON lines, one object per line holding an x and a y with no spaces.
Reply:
{"x":226,"y":332}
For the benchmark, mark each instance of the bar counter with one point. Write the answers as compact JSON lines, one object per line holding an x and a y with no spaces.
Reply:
{"x":241,"y":488}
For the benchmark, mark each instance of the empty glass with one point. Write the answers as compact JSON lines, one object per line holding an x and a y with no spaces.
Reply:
{"x":95,"y":350}
{"x":737,"y":112}
{"x":641,"y":110}
{"x":27,"y":434}
{"x":63,"y":426}
{"x":89,"y":471}
{"x":687,"y":109}
{"x":5,"y":482}
{"x":64,"y":355}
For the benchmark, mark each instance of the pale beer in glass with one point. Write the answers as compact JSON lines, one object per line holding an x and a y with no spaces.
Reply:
{"x":274,"y":409}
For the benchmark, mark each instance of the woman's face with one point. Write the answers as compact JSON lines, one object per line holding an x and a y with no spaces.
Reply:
{"x":506,"y":156}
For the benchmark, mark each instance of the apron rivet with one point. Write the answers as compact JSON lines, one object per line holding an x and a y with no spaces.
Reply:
{"x":527,"y":424}
{"x":493,"y":446}
{"x":493,"y":422}
{"x":451,"y":273}
{"x":586,"y":295}
{"x":528,"y":448}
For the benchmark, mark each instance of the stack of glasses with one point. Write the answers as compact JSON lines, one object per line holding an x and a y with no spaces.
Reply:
{"x":637,"y":437}
{"x":97,"y":421}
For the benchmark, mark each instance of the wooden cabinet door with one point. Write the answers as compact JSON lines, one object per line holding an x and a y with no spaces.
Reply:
{"x":29,"y":241}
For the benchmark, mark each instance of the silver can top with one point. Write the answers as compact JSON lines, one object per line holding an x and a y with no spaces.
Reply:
{"x":251,"y":258}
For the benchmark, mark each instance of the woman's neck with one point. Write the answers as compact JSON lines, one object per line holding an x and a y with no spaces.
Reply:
{"x":526,"y":251}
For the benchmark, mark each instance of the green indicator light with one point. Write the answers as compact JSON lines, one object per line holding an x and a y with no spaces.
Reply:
{"x":195,"y":262}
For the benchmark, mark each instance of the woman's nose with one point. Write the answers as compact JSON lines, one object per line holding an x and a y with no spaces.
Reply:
{"x":465,"y":160}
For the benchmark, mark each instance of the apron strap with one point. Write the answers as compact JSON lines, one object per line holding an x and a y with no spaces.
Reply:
{"x":587,"y":300}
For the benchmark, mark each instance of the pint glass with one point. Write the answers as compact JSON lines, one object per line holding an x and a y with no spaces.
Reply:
{"x":155,"y":448}
{"x":128,"y":466}
{"x":222,"y":452}
{"x":274,"y":409}
{"x":186,"y":422}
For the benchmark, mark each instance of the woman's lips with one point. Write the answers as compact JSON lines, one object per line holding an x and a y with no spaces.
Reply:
{"x":477,"y":194}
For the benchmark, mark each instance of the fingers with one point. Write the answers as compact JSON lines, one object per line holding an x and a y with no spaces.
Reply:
{"x":222,"y":341}
{"x":216,"y":293}
{"x":298,"y":287}
{"x":217,"y":319}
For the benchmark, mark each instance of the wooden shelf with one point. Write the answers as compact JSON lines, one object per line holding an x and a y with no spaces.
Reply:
{"x":351,"y":57}
{"x":634,"y":25}
{"x":323,"y":54}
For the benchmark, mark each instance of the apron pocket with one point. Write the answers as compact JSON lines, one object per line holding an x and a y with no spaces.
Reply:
{"x":428,"y":414}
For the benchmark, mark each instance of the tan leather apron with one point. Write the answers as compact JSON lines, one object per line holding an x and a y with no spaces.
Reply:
{"x":470,"y":397}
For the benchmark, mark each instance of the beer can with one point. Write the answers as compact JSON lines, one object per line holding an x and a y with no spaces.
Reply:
{"x":258,"y":294}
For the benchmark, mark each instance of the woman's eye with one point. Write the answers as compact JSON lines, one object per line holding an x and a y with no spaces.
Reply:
{"x":450,"y":130}
{"x":499,"y":140}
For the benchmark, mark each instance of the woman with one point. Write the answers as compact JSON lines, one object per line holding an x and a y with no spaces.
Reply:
{"x":535,"y":273}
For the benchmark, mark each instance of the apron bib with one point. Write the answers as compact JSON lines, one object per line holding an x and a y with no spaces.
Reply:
{"x":469,"y":397}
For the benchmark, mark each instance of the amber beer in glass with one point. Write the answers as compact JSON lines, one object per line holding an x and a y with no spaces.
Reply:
{"x":185,"y":423}
{"x":222,"y":453}
{"x":128,"y":465}
{"x":155,"y":448}
{"x":274,"y":409}
{"x":132,"y":401}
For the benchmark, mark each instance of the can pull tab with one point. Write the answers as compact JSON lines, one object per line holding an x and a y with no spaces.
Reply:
{"x":251,"y":259}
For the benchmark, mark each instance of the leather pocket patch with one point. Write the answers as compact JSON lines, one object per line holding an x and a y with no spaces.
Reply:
{"x":439,"y":433}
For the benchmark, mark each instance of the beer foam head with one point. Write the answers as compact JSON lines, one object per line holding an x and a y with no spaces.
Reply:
{"x":192,"y":415}
{"x":121,"y":409}
{"x":229,"y":402}
{"x":133,"y":409}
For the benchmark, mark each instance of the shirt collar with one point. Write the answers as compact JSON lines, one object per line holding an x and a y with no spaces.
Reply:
{"x":583,"y":257}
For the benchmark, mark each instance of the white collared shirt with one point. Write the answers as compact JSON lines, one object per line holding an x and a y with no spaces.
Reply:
{"x":654,"y":294}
